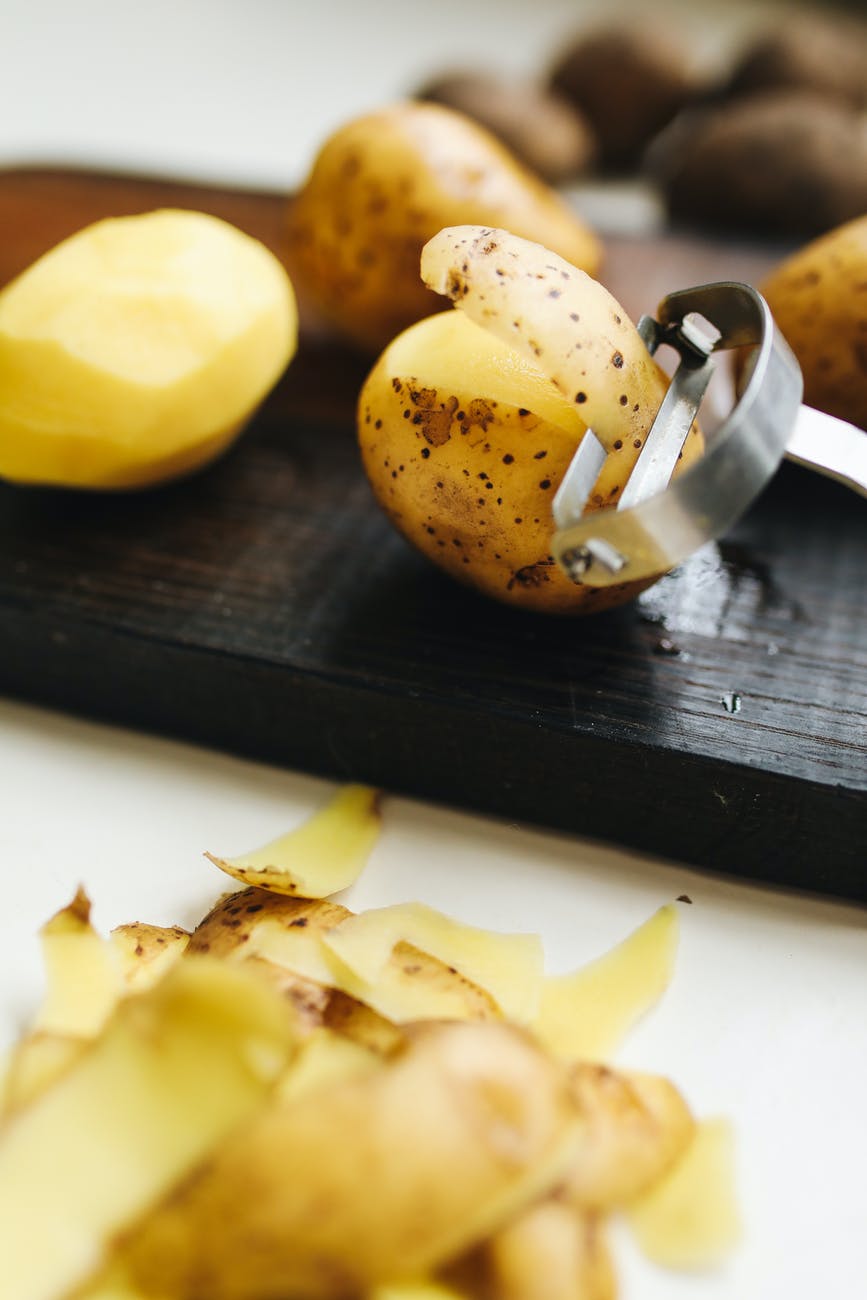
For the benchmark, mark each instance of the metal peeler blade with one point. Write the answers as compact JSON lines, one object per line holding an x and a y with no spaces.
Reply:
{"x":658,"y":521}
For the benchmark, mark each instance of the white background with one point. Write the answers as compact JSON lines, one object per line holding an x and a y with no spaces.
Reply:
{"x":766,"y":1019}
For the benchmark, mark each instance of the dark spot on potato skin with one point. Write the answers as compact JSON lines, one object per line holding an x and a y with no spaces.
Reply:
{"x":531,"y":575}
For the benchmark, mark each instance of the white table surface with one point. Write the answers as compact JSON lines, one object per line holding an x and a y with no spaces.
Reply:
{"x":766,"y":1018}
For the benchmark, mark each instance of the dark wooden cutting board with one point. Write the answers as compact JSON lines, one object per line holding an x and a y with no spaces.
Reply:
{"x":267,"y":608}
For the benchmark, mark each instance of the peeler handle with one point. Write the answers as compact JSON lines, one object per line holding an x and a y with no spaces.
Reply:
{"x":830,"y":447}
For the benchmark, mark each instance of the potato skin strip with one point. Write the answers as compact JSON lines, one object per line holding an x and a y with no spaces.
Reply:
{"x":508,"y":966}
{"x":173,"y":1072}
{"x":690,"y":1219}
{"x":587,"y":1014}
{"x":558,"y":317}
{"x":324,"y":855}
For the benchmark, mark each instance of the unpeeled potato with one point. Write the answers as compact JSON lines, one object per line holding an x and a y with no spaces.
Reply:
{"x":819,"y":299}
{"x":466,"y":432}
{"x":384,"y":184}
{"x":137,"y":350}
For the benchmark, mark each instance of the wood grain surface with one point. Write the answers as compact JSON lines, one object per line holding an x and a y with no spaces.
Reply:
{"x":267,"y":608}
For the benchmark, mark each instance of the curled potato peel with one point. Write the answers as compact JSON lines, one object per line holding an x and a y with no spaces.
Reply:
{"x":556,"y":316}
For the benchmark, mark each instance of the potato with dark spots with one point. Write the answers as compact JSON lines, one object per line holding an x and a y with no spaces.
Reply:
{"x":466,"y":432}
{"x":544,"y":130}
{"x":819,"y":299}
{"x":384,"y":184}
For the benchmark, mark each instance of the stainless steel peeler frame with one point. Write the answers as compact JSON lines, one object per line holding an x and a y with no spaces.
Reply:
{"x":659,"y":521}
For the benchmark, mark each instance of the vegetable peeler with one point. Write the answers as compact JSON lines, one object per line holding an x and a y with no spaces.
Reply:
{"x":659,"y":521}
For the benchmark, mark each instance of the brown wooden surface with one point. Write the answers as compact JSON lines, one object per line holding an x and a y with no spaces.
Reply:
{"x":266,"y":607}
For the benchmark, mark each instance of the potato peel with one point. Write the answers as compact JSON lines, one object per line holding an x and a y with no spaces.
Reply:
{"x":145,"y":952}
{"x":559,"y":318}
{"x":324,"y":855}
{"x":175,"y":1070}
{"x":83,"y":975}
{"x":689,"y":1219}
{"x":508,"y":966}
{"x":585,"y":1015}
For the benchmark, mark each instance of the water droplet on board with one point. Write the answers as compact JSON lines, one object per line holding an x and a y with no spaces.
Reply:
{"x":731,"y":702}
{"x":669,"y":648}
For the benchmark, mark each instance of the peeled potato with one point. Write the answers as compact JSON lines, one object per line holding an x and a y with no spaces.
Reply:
{"x":384,"y":184}
{"x":137,"y":350}
{"x":819,"y":299}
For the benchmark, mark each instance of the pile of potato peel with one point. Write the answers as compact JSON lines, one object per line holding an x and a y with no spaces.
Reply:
{"x":294,"y":1101}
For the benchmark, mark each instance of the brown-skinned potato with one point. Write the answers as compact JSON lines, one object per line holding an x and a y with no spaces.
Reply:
{"x":384,"y":184}
{"x":466,"y":432}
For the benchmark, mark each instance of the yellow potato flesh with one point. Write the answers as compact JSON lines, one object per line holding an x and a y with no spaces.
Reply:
{"x":586,"y":1015}
{"x":173,"y":1072}
{"x":83,"y":975}
{"x":690,"y":1219}
{"x":508,"y":966}
{"x":321,"y":857}
{"x":137,"y":349}
{"x":324,"y":1058}
{"x":33,"y":1065}
{"x":386,"y":182}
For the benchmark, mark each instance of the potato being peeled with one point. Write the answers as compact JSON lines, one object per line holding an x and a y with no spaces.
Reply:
{"x":466,"y":432}
{"x":819,"y":300}
{"x":137,"y":350}
{"x":384,"y":184}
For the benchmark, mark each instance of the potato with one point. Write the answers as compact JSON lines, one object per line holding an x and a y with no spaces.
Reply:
{"x":465,"y":437}
{"x":785,"y":163}
{"x":824,"y":52}
{"x":374,"y":1179}
{"x":819,"y":299}
{"x":384,"y":184}
{"x":542,"y":129}
{"x":323,"y":855}
{"x":629,"y":81}
{"x":176,"y":1069}
{"x":83,"y":974}
{"x":137,"y":350}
